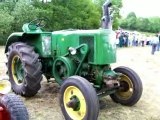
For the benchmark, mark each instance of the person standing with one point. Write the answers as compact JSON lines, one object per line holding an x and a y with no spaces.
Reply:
{"x":154,"y":43}
{"x":158,"y":46}
{"x":121,"y":40}
{"x":133,"y":39}
{"x":126,"y":39}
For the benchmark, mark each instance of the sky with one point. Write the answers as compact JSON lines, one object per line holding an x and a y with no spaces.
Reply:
{"x":142,"y":8}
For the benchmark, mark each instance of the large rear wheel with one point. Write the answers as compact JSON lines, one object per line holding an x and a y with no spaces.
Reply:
{"x":78,"y":99}
{"x":24,"y":69}
{"x":130,"y":89}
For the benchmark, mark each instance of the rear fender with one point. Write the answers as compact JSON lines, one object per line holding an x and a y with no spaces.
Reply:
{"x":19,"y":37}
{"x":14,"y":37}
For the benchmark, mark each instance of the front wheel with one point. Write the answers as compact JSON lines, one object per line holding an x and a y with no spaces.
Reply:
{"x":78,"y":99}
{"x":130,"y":89}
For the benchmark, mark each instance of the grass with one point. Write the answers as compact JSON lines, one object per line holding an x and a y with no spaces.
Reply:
{"x":45,"y":105}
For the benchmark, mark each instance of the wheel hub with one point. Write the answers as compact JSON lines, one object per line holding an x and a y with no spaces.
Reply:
{"x":73,"y":103}
{"x":126,"y":87}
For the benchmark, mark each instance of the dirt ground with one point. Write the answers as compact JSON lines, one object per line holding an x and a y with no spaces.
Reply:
{"x":45,"y":105}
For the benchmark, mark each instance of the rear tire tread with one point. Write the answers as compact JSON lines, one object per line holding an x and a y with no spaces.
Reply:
{"x":32,"y":68}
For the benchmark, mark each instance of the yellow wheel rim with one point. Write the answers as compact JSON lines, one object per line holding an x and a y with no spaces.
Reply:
{"x":68,"y":94}
{"x":14,"y":69}
{"x":128,"y":92}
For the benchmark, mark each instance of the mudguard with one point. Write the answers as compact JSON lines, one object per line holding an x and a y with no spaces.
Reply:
{"x":14,"y":37}
{"x":20,"y":36}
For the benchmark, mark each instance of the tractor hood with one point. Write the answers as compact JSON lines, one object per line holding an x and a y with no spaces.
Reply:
{"x":82,"y":32}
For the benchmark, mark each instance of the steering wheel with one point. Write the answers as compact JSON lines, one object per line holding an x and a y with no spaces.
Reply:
{"x":37,"y":23}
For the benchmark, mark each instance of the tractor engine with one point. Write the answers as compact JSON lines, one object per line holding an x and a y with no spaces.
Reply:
{"x":87,"y":53}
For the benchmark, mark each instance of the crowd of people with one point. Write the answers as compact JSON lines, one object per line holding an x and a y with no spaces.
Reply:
{"x":127,"y":39}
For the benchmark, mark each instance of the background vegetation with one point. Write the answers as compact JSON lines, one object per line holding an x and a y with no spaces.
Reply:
{"x":61,"y":14}
{"x":65,"y":14}
{"x":132,"y":22}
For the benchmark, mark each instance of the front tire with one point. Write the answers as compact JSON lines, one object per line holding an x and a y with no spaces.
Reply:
{"x":130,"y":87}
{"x":13,"y":108}
{"x":24,"y":69}
{"x":78,"y":99}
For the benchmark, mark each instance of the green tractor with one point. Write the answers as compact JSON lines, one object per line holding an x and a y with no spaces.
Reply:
{"x":78,"y":60}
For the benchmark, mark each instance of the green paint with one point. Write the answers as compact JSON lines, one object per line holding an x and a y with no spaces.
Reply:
{"x":110,"y":73}
{"x":100,"y":43}
{"x":95,"y":50}
{"x":63,"y":67}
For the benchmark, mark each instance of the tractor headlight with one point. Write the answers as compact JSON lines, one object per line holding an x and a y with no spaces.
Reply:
{"x":72,"y":50}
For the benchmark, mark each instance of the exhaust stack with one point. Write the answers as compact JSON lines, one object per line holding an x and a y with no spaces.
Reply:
{"x":106,"y":19}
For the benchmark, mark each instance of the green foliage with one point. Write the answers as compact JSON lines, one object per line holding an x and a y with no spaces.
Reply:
{"x":7,"y":6}
{"x":80,"y":14}
{"x":5,"y":22}
{"x":60,"y":14}
{"x":131,"y":22}
{"x":83,"y":14}
{"x":22,"y":13}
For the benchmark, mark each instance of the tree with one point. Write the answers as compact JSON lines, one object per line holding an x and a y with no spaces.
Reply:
{"x":131,"y":22}
{"x":5,"y":25}
{"x":79,"y":14}
{"x":61,"y":14}
{"x":117,"y":4}
{"x":155,"y":24}
{"x":143,"y":24}
{"x":6,"y":20}
{"x":83,"y":14}
{"x":22,"y":13}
